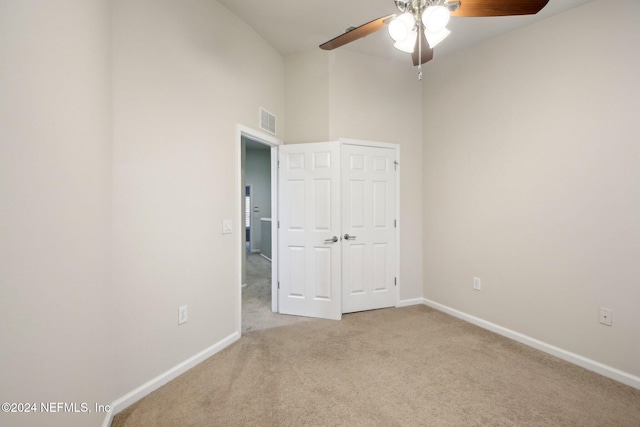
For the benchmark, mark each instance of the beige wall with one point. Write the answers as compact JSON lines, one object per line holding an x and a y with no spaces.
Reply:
{"x":307,"y":96}
{"x":341,"y":94}
{"x":531,"y":181}
{"x":55,"y":200}
{"x":185,"y":73}
{"x":118,"y":165}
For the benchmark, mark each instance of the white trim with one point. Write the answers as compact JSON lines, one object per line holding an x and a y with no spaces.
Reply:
{"x":366,"y":143}
{"x":410,"y":302}
{"x":133,"y":396}
{"x":257,"y":135}
{"x":396,"y":147}
{"x":274,"y":229}
{"x":576,"y":359}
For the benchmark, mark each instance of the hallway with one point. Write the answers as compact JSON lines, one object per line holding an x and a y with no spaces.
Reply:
{"x":256,"y":298}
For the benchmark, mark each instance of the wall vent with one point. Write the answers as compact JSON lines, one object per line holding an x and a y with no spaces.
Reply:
{"x":267,"y":121}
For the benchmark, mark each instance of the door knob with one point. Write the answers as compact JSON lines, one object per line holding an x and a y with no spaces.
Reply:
{"x":347,"y":237}
{"x":334,"y":239}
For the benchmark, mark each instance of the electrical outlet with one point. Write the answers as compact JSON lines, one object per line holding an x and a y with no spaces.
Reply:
{"x":606,"y":316}
{"x":477,"y":284}
{"x":182,"y":314}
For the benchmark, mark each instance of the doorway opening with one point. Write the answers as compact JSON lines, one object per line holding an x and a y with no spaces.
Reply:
{"x":257,"y":266}
{"x":257,"y":203}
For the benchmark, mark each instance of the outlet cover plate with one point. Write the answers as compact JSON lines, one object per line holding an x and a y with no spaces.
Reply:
{"x":606,"y":316}
{"x":477,"y":284}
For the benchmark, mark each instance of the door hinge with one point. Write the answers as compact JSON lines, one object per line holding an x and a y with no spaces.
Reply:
{"x":278,"y":164}
{"x":395,"y":223}
{"x":278,"y":285}
{"x":278,"y":224}
{"x":395,"y":281}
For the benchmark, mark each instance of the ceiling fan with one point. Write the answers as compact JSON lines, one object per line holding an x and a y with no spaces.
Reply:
{"x":422,"y":24}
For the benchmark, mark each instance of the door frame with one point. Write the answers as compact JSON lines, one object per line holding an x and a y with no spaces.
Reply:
{"x":273,"y":142}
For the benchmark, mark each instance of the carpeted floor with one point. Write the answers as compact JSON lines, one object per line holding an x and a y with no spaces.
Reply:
{"x":393,"y":367}
{"x":256,"y":298}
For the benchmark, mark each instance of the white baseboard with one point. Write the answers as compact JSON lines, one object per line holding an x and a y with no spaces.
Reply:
{"x":265,"y":257}
{"x":128,"y":399}
{"x":408,"y":302}
{"x":576,"y":359}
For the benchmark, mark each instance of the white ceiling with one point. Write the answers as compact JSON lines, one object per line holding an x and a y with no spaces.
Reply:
{"x":293,"y":26}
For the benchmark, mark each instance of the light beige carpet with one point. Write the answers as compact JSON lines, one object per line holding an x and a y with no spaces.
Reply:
{"x":394,"y":367}
{"x":256,"y":298}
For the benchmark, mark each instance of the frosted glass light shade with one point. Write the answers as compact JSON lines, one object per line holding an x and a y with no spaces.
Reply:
{"x":435,"y":18}
{"x":408,"y":44}
{"x":434,"y":38}
{"x":400,"y":27}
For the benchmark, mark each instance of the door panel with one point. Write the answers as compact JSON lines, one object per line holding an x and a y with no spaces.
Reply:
{"x":380,"y":220}
{"x":368,"y":202}
{"x":322,"y":274}
{"x":310,"y":274}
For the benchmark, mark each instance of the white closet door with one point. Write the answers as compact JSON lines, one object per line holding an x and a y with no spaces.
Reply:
{"x":309,"y":234}
{"x":368,"y":223}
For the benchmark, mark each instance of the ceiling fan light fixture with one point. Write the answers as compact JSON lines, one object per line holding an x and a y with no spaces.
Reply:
{"x":397,"y":30}
{"x":434,"y":38}
{"x":402,"y":5}
{"x":400,"y":27}
{"x":453,"y":6}
{"x":407,"y":45}
{"x":432,"y":17}
{"x":435,"y":18}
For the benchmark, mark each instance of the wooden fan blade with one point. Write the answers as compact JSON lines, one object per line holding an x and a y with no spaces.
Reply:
{"x":499,"y":7}
{"x":427,"y":52}
{"x":357,"y":33}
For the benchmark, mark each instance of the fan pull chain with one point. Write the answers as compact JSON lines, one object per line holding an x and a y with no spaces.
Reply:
{"x":419,"y":51}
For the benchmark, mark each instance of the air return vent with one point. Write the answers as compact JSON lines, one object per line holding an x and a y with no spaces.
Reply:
{"x":267,"y":121}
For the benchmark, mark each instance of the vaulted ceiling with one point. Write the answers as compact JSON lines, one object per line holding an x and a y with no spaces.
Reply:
{"x":293,"y":26}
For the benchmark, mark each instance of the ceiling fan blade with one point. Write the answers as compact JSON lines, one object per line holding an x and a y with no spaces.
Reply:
{"x":427,"y":52}
{"x":499,"y":7}
{"x":357,"y":33}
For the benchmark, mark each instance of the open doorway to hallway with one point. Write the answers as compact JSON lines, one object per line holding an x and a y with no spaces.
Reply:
{"x":257,"y":269}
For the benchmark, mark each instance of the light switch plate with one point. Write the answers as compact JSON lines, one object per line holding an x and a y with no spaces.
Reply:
{"x":226,"y":226}
{"x":182,"y":314}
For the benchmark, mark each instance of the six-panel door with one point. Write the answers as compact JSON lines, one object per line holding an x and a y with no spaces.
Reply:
{"x":368,"y":224}
{"x":309,"y":244}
